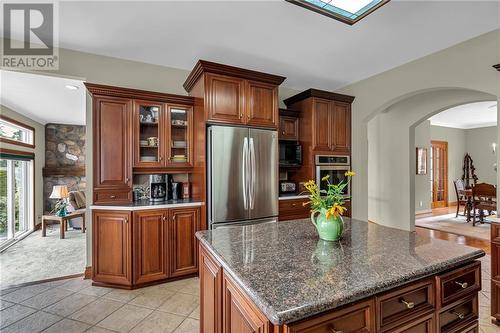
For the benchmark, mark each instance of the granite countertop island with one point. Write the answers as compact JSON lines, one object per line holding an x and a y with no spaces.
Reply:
{"x":290,"y":275}
{"x":146,"y":204}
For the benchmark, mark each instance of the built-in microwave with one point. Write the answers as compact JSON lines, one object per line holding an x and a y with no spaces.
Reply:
{"x":290,"y":154}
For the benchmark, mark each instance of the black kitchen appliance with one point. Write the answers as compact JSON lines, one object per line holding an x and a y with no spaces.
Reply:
{"x":158,"y":188}
{"x":290,"y":154}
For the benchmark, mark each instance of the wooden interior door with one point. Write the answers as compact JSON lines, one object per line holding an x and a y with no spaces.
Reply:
{"x":439,"y":174}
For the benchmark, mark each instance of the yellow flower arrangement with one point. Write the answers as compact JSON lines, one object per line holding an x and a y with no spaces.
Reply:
{"x":331,"y":200}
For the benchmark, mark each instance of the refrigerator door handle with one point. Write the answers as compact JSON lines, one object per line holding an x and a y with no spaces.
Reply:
{"x":253,"y":175}
{"x":244,"y":172}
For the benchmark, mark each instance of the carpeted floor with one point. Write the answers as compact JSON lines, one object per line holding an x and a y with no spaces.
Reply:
{"x":38,"y":258}
{"x":455,"y":225}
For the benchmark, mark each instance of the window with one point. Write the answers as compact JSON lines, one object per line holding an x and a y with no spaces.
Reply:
{"x":347,"y":11}
{"x":16,"y":196}
{"x":14,"y":132}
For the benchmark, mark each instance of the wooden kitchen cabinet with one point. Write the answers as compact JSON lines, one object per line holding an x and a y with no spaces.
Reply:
{"x":292,"y":209}
{"x":261,"y":104}
{"x":239,"y":314}
{"x":235,"y":96}
{"x":289,"y":125}
{"x":112,"y":153}
{"x":148,"y":246}
{"x":322,"y":125}
{"x":210,"y":294}
{"x":225,"y":99}
{"x":112,"y":248}
{"x":340,"y":126}
{"x":495,"y":272}
{"x":123,"y":122}
{"x":150,"y":252}
{"x":183,"y":224}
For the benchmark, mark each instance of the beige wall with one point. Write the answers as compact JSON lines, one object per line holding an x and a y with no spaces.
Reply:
{"x":39,"y":155}
{"x":478,"y":145}
{"x":422,"y":182}
{"x":466,"y":67}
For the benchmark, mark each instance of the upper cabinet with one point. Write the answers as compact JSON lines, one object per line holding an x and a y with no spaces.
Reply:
{"x":289,"y":125}
{"x":137,"y":131}
{"x":235,"y":95}
{"x":112,"y":153}
{"x":326,"y":118}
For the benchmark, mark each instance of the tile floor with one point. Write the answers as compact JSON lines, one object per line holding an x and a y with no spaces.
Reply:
{"x":68,"y":306}
{"x":73,"y":305}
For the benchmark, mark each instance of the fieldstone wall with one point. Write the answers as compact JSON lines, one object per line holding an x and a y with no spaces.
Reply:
{"x":64,"y":147}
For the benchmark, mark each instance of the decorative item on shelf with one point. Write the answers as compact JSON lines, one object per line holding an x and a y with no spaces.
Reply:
{"x":61,"y":193}
{"x":186,"y":190}
{"x":143,"y":143}
{"x":149,"y":159}
{"x":421,"y":161}
{"x":330,"y":206}
{"x":179,"y":144}
{"x":153,"y":141}
{"x":179,"y":158}
{"x":179,"y":122}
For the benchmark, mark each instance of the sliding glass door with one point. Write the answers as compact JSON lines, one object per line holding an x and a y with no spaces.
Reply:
{"x":16,"y":199}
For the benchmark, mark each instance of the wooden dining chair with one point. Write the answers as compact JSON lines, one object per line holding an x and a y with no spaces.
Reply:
{"x":461,"y":196}
{"x":484,"y":197}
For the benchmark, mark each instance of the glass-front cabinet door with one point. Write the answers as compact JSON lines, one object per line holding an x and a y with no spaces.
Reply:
{"x":148,"y":134}
{"x":180,"y":135}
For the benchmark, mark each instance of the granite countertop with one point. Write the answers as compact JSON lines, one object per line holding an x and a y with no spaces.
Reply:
{"x":146,"y":204}
{"x":290,"y":274}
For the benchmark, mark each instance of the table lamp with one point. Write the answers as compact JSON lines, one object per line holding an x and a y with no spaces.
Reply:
{"x":60,"y":192}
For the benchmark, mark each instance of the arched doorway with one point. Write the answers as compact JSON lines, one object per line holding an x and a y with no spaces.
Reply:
{"x":391,"y":156}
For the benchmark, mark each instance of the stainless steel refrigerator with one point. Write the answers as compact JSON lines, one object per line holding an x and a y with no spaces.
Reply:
{"x":242,"y":176}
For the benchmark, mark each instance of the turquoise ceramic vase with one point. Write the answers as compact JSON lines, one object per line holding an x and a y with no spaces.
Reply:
{"x":329,"y":229}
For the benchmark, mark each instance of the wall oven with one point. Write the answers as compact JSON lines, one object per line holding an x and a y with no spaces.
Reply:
{"x":334,"y":166}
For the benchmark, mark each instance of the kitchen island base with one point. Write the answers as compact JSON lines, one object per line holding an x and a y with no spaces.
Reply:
{"x":446,"y":302}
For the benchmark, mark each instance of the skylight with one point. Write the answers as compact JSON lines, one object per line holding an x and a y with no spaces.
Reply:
{"x":347,"y":11}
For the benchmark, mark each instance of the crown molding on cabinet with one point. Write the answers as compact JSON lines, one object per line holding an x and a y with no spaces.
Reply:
{"x":320,"y":94}
{"x":204,"y":66}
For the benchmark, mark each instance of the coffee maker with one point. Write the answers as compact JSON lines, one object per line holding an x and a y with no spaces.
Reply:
{"x":158,"y":188}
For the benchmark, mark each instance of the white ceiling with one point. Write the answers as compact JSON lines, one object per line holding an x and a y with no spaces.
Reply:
{"x":473,"y":115}
{"x":42,"y":98}
{"x":310,"y":49}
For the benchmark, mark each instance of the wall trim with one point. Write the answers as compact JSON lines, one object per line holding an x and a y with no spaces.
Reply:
{"x":423,"y":211}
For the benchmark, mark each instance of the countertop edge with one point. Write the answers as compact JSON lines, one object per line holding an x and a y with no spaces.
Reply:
{"x":283,"y":318}
{"x":147,"y":207}
{"x":292,"y":197}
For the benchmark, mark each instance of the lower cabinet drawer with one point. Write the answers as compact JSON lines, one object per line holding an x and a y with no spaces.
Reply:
{"x":407,"y":304}
{"x":458,"y":283}
{"x":426,"y":324}
{"x":459,"y":315}
{"x":293,"y":209}
{"x":102,"y":197}
{"x":354,"y":319}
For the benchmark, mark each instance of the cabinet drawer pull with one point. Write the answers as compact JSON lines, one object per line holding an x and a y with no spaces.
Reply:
{"x":409,"y":305}
{"x":463,"y":285}
{"x":333,"y":330}
{"x":460,"y":315}
{"x":293,"y":205}
{"x":241,"y":116}
{"x":112,"y":196}
{"x":126,"y":220}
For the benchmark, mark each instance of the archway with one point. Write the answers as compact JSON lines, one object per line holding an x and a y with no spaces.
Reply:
{"x":391,"y":156}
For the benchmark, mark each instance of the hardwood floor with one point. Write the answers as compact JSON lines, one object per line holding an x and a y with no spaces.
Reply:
{"x":464,"y":240}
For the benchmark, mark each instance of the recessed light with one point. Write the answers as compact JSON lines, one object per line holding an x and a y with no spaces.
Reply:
{"x":71,"y":87}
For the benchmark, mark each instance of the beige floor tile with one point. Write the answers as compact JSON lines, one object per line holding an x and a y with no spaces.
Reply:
{"x":6,"y":291}
{"x":35,"y":322}
{"x":125,"y":318}
{"x":489,"y":329}
{"x":159,"y":322}
{"x":181,"y":304}
{"x":191,"y":287}
{"x":96,"y":291}
{"x":13,"y":314}
{"x":24,"y":293}
{"x":47,"y":298}
{"x":5,"y":305}
{"x":96,"y":311}
{"x":159,"y":289}
{"x":123,"y":295}
{"x":152,"y":300}
{"x":76,"y":284}
{"x":67,"y":326}
{"x":189,"y":326}
{"x":175,"y":285}
{"x":70,"y":304}
{"x":196,"y":313}
{"x":96,"y":329}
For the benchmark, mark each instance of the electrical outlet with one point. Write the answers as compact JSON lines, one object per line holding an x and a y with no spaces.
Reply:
{"x":421,"y":204}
